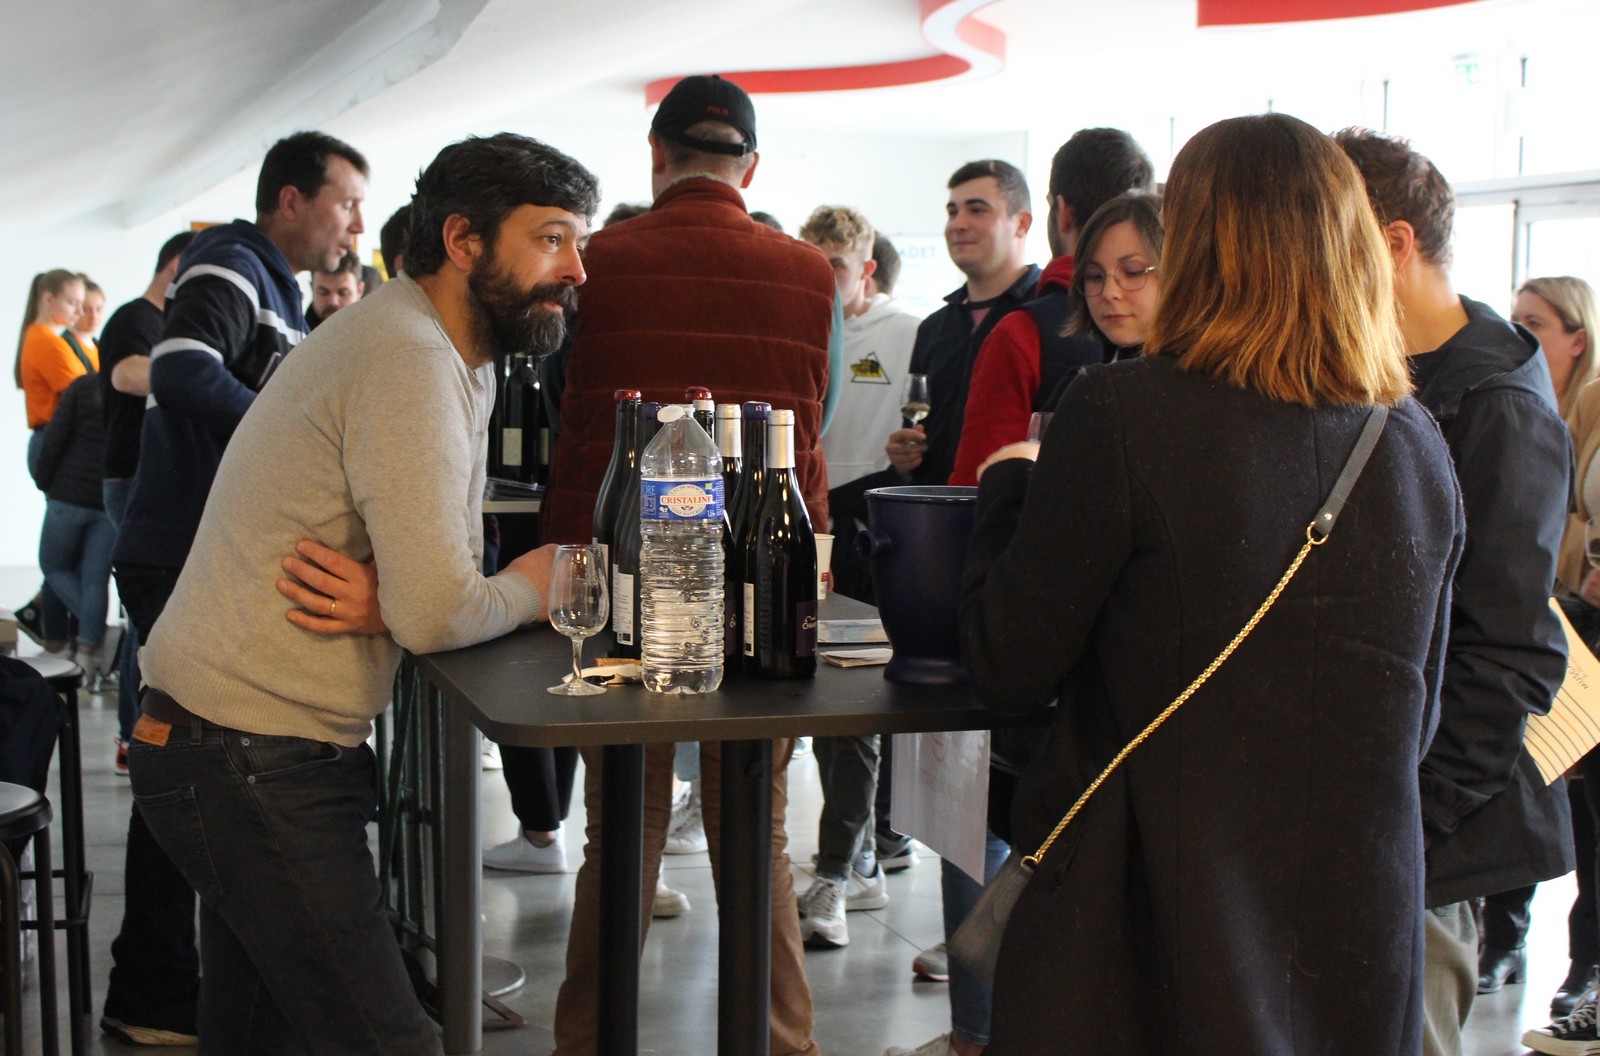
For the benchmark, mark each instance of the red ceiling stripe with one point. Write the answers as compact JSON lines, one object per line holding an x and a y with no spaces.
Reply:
{"x":1255,"y":12}
{"x":974,"y":33}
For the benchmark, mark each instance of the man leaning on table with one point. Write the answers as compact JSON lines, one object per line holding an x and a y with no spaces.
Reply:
{"x":250,"y":762}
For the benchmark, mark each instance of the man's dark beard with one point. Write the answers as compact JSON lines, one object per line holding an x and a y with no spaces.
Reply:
{"x":509,"y":320}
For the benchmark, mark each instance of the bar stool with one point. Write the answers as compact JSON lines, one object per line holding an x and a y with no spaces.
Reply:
{"x":77,"y":883}
{"x":25,"y":813}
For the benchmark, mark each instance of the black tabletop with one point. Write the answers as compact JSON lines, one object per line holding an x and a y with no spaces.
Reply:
{"x":503,"y":685}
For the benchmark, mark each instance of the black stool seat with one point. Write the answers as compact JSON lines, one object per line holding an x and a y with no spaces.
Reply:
{"x":23,"y":812}
{"x":24,"y":815}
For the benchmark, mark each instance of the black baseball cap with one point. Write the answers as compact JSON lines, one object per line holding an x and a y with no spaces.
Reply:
{"x":701,"y":98}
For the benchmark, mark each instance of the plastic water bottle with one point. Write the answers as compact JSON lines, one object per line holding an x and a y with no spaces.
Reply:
{"x":681,"y":558}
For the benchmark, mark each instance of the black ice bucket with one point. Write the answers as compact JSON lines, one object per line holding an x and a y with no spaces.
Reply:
{"x":916,"y":540}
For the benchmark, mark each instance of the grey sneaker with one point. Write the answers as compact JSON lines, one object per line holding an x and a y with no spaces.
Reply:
{"x":822,"y":907}
{"x":686,"y":829}
{"x":933,"y":964}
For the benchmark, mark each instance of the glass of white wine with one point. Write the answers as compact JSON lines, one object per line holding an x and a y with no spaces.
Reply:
{"x":579,"y":607}
{"x":914,"y":404}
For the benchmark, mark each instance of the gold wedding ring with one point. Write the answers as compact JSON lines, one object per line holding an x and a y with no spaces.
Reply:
{"x":332,"y":604}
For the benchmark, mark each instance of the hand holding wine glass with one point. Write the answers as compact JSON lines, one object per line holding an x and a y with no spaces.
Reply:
{"x":579,"y":607}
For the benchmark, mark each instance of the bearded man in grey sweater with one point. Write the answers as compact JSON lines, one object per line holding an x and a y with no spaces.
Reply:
{"x":250,"y":761}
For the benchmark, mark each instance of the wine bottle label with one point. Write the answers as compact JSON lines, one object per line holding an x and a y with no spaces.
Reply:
{"x":805,"y":628}
{"x":749,"y":617}
{"x":681,"y":500}
{"x":622,"y":608}
{"x":511,"y":447}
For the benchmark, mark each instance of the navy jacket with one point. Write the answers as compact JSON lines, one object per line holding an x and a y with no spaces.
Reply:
{"x":232,"y":315}
{"x":1491,"y":822}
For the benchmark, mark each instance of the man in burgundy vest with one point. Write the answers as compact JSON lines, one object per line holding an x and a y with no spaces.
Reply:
{"x":694,"y":292}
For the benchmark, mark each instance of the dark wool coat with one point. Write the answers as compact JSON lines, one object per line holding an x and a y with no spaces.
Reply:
{"x":1251,"y":880}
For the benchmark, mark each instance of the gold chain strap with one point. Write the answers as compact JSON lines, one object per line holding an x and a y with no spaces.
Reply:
{"x":1312,"y":539}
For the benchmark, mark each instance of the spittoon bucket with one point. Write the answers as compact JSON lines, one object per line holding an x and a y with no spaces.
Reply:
{"x":916,"y":542}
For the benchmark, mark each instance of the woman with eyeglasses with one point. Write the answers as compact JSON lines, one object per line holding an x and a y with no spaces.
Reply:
{"x":1249,"y":879}
{"x":1117,"y":287}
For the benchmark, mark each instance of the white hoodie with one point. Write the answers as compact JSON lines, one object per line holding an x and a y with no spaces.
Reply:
{"x":877,"y":353}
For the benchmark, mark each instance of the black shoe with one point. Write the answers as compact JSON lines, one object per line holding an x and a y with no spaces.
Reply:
{"x":1497,"y":967}
{"x":1580,"y":977}
{"x":30,"y":621}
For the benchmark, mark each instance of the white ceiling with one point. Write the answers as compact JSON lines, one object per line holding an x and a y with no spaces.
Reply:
{"x":136,"y":107}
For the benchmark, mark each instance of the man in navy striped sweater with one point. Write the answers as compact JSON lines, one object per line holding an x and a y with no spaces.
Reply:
{"x":232,"y":315}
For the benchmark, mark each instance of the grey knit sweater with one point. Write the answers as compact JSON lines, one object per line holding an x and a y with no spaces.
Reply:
{"x":370,"y":440}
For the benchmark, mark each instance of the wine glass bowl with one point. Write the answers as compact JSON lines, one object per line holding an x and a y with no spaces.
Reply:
{"x":579,"y":607}
{"x":914,"y":401}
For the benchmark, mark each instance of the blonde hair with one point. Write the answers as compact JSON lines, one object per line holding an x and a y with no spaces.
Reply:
{"x":839,"y":225}
{"x":1573,"y":301}
{"x":1275,"y":274}
{"x":51,"y":282}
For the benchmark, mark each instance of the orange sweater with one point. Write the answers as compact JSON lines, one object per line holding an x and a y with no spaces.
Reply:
{"x":48,"y":366}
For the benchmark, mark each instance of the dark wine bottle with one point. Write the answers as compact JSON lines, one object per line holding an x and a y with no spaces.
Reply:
{"x":754,"y":429}
{"x":518,"y":450}
{"x":705,"y":409}
{"x":624,"y":460}
{"x":626,"y":543}
{"x":780,"y":571}
{"x":729,"y":446}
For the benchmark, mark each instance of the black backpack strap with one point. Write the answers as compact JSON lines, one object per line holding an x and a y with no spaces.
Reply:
{"x":83,"y":357}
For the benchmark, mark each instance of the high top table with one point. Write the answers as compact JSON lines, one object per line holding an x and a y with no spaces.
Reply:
{"x":499,"y":688}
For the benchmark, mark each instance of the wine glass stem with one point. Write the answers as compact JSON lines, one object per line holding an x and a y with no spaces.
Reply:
{"x":577,"y":659}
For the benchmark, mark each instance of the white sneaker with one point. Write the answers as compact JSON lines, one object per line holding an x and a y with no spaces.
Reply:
{"x":521,"y":855}
{"x":802,"y":748}
{"x":822,"y":907}
{"x":866,"y":892}
{"x":668,"y":903}
{"x":940,"y":1046}
{"x":933,"y":964}
{"x":491,"y":756}
{"x":686,"y":830}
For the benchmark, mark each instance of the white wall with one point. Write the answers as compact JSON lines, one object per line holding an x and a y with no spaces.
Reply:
{"x":898,"y":182}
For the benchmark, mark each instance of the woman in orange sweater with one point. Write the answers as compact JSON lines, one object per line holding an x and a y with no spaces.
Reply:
{"x":46,"y":364}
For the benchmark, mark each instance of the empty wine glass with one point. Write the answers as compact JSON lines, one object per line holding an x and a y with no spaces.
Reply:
{"x":579,"y":607}
{"x":914,"y":404}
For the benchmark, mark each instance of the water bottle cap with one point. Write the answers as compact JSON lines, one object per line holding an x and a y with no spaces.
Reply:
{"x":669,"y":413}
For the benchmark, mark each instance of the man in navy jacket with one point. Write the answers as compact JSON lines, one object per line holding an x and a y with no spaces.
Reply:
{"x":233,"y":313}
{"x":1489,"y":821}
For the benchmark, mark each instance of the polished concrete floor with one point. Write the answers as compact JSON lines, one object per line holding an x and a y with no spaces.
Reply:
{"x":865,"y":995}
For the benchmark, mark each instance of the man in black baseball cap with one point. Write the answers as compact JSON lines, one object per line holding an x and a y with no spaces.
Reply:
{"x":693,"y":292}
{"x":697,"y":99}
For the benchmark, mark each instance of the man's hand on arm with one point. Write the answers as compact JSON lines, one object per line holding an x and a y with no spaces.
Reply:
{"x":131,"y":376}
{"x":535,"y":566}
{"x":335,"y":594}
{"x":906,"y":448}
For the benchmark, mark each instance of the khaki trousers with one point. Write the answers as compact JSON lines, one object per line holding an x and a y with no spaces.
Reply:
{"x":576,"y":1005}
{"x":1450,"y":981}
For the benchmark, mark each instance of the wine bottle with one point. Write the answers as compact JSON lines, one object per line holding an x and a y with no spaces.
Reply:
{"x":517,"y":450}
{"x":624,"y":460}
{"x":729,"y":446}
{"x":755,"y":442}
{"x":704,"y":408}
{"x":625,"y":545}
{"x":780,"y":571}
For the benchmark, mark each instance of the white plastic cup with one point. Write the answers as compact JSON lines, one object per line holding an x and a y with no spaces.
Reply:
{"x":824,"y":559}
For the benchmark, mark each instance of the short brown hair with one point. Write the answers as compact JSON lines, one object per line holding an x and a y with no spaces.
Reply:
{"x":349,"y":264}
{"x":1013,"y":184}
{"x":1277,"y":277}
{"x":1404,"y":185}
{"x":838,"y":225}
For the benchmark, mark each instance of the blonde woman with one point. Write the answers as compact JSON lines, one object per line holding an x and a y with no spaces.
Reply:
{"x":1560,"y":312}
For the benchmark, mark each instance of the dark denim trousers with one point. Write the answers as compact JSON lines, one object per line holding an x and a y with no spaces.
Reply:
{"x":296,"y":948}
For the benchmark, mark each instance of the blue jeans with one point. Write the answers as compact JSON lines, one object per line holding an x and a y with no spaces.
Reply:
{"x":75,"y":554}
{"x":54,"y":619}
{"x":116,"y":498}
{"x":969,"y":997}
{"x":296,"y":948}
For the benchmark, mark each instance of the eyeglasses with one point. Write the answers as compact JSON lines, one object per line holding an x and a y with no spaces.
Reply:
{"x":1129,"y":277}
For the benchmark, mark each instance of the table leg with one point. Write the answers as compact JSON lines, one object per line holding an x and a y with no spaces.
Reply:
{"x":460,"y":939}
{"x":744,"y":956}
{"x":74,"y":874}
{"x":621,"y":891}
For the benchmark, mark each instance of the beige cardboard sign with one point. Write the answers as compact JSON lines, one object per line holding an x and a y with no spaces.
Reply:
{"x":1561,"y":738}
